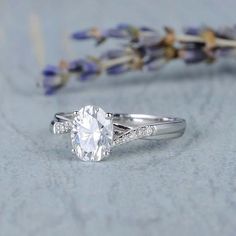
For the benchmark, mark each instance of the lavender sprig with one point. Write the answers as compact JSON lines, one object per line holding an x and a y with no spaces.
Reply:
{"x":145,"y":49}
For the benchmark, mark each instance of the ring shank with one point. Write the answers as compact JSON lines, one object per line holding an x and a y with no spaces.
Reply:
{"x":149,"y":127}
{"x":128,"y":127}
{"x":135,"y":120}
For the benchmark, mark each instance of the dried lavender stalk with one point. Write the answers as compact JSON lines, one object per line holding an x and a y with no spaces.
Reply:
{"x":145,"y":49}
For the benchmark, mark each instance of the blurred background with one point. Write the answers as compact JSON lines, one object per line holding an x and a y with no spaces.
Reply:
{"x":182,"y":187}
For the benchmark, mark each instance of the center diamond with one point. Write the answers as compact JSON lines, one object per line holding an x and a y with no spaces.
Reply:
{"x":92,"y":134}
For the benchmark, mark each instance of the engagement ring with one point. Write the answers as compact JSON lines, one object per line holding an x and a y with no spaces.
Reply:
{"x":94,"y":132}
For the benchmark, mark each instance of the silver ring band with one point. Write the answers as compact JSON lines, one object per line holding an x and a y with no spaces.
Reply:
{"x":126,"y":124}
{"x":125,"y":127}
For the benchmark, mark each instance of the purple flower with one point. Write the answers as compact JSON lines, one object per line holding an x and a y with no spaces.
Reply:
{"x":50,"y":70}
{"x":118,"y":69}
{"x":226,"y":32}
{"x":54,"y":78}
{"x":51,"y":84}
{"x":193,"y":30}
{"x":146,"y":29}
{"x":194,"y":56}
{"x":75,"y":66}
{"x":50,"y":80}
{"x":94,"y":33}
{"x":145,"y":49}
{"x":80,"y":35}
{"x":121,"y":31}
{"x":85,"y":68}
{"x":89,"y":69}
{"x":112,"y":54}
{"x":149,"y":40}
{"x":123,"y":26}
{"x":116,"y":33}
{"x":223,"y":52}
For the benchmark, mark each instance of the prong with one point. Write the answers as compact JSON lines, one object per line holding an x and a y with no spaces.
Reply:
{"x":107,"y":153}
{"x":109,"y":116}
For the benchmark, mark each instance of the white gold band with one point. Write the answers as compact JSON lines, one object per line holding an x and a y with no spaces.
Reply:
{"x":128,"y":127}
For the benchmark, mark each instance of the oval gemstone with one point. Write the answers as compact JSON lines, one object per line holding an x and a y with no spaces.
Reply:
{"x":91,"y":134}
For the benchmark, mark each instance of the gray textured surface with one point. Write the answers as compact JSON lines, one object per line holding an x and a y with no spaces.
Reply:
{"x":183,"y":187}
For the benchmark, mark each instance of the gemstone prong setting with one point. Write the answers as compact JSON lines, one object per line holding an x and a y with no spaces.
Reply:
{"x":91,"y":134}
{"x":109,"y":116}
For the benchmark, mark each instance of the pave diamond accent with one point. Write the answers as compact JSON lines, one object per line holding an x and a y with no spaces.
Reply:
{"x":62,"y":127}
{"x":140,"y":132}
{"x":91,"y":134}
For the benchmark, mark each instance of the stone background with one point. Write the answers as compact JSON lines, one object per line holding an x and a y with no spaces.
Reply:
{"x":183,"y":187}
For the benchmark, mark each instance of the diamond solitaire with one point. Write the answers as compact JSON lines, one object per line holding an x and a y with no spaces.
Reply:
{"x":91,"y":134}
{"x":94,"y":132}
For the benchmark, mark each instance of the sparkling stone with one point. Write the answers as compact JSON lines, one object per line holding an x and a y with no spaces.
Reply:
{"x":92,"y":134}
{"x":139,"y":132}
{"x":149,"y":131}
{"x":132,"y":135}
